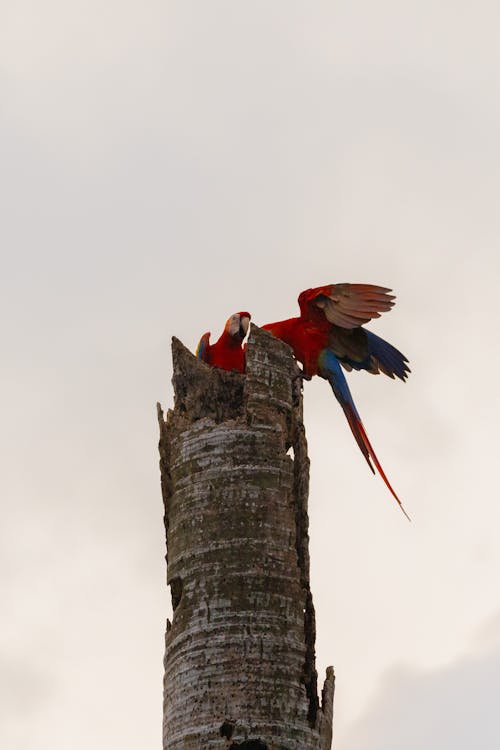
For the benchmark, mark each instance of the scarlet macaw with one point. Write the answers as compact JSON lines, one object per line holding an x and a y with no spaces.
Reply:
{"x":328,"y":333}
{"x":227,"y":352}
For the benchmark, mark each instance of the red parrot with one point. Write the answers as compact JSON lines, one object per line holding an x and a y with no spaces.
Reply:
{"x":328,"y":333}
{"x":227,"y":352}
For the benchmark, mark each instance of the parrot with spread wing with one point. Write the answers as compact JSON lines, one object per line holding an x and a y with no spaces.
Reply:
{"x":228,"y":352}
{"x":328,"y":333}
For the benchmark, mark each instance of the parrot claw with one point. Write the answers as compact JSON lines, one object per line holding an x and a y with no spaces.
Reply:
{"x":302,"y":375}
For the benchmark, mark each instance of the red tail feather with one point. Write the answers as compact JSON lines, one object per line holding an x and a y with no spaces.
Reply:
{"x":365,"y":446}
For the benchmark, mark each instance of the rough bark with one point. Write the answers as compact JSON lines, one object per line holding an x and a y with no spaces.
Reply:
{"x":240,"y":651}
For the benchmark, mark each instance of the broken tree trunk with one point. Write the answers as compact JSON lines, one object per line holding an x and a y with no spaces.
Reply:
{"x":240,"y":651}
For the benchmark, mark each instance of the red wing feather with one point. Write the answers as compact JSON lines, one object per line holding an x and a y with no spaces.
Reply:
{"x":346,"y":305}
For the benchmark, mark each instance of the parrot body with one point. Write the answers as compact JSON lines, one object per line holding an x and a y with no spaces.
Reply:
{"x":356,"y":349}
{"x":228,"y":352}
{"x":306,"y":339}
{"x":328,"y":333}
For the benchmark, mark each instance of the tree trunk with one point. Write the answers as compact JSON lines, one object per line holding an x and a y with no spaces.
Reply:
{"x":240,"y":651}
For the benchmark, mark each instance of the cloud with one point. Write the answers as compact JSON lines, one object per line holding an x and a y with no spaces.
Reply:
{"x":23,"y":688}
{"x":452,"y":707}
{"x":165,"y":164}
{"x":24,"y":692}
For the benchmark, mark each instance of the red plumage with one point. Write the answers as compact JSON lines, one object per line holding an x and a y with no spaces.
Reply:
{"x":327,"y":311}
{"x":228,"y":352}
{"x":328,"y":333}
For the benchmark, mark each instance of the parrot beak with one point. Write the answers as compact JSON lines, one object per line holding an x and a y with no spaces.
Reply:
{"x":244,"y":323}
{"x":237,"y":325}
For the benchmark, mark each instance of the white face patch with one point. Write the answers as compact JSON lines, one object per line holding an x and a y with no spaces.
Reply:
{"x":233,"y":325}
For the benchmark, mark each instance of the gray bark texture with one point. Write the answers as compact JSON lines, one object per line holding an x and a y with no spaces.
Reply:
{"x":240,"y":651}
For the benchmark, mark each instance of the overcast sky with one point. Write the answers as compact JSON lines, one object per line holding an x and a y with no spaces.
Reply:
{"x":163,"y":165}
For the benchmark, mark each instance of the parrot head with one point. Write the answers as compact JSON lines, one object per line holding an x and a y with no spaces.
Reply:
{"x":237,"y":325}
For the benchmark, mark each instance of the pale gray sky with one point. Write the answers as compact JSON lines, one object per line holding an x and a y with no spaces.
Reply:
{"x":163,"y":165}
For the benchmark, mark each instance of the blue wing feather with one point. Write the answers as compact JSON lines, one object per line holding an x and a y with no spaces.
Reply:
{"x":388,"y":358}
{"x":363,"y":350}
{"x":203,"y":347}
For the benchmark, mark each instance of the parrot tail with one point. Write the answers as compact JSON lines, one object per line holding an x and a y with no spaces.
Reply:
{"x":329,"y":368}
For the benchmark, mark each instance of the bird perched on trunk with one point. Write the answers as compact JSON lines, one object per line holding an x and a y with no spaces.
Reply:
{"x":328,"y":333}
{"x":228,"y":351}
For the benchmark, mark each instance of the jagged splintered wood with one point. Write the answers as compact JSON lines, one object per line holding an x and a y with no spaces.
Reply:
{"x":239,"y":654}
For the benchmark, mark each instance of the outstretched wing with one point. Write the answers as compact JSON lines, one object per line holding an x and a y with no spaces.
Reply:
{"x":360,"y":349}
{"x":345,"y":305}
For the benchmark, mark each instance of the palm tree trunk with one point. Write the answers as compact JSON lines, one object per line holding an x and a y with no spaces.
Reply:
{"x":240,"y":651}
